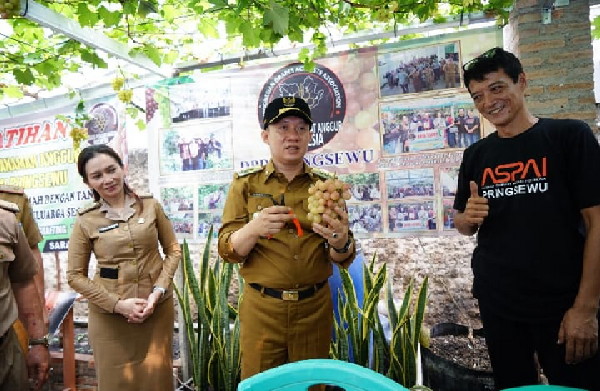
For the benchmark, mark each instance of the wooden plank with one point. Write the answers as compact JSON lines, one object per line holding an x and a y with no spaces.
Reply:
{"x":69,"y":374}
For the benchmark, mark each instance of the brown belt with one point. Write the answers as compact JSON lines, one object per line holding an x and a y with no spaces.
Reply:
{"x":289,"y":295}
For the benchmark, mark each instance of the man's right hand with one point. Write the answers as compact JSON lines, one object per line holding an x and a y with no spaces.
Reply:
{"x":477,"y":207}
{"x":271,"y":220}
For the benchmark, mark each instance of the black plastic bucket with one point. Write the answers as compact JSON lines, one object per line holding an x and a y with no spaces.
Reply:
{"x":442,"y":374}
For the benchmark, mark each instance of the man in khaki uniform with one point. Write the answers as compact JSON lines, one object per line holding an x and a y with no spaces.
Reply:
{"x":19,"y":298}
{"x":450,"y":71}
{"x":286,"y":312}
{"x":17,"y":196}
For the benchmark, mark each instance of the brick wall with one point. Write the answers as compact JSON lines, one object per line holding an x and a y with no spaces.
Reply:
{"x":557,"y":58}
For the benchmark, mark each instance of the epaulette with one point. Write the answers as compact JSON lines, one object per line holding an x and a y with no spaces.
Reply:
{"x":323,"y":174}
{"x":145,"y":195}
{"x":11,"y":189}
{"x":9,"y":206}
{"x":248,"y":171}
{"x":87,"y":208}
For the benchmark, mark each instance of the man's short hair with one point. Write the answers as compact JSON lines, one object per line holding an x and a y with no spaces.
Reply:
{"x":489,"y":61}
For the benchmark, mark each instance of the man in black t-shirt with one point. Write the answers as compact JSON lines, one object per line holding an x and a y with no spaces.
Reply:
{"x":531,"y":192}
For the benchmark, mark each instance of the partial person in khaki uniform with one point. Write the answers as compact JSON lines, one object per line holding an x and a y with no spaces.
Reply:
{"x":286,"y":312}
{"x":130,"y":296}
{"x":19,"y":299}
{"x":450,"y":72}
{"x":17,"y":196}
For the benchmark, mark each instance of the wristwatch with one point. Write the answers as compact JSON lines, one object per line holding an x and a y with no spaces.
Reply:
{"x":344,"y":249}
{"x":159,"y":289}
{"x":39,"y":341}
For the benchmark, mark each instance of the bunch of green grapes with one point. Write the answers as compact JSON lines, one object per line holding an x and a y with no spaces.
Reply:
{"x":125,"y":96}
{"x":325,"y":196}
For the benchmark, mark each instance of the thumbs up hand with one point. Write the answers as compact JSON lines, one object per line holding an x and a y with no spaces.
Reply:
{"x":477,"y":207}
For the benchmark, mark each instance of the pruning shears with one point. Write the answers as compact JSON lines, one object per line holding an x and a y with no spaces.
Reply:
{"x":281,"y":202}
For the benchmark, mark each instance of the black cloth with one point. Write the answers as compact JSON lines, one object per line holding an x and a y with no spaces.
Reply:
{"x":511,"y":345}
{"x":528,"y":261}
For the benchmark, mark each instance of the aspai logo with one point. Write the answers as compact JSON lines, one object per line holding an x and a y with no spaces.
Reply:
{"x":513,"y":172}
{"x":512,"y":179}
{"x":321,"y":89}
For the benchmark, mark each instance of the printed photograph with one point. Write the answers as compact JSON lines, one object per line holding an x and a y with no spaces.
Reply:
{"x":212,"y":196}
{"x":422,"y":125}
{"x":177,"y":199}
{"x":411,"y":216}
{"x":422,"y":69}
{"x":205,"y":220}
{"x":449,"y":181}
{"x":449,"y":213}
{"x":208,"y":98}
{"x":417,"y":182}
{"x":365,"y":218}
{"x":199,"y":147}
{"x":364,"y":187}
{"x":183,"y":224}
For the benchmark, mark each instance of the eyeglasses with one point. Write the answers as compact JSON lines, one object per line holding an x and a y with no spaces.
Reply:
{"x":286,"y":129}
{"x":490,"y":53}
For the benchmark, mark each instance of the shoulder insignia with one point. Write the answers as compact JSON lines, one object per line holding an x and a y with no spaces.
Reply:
{"x":248,"y":171}
{"x":11,"y":207}
{"x":323,"y":174}
{"x":88,"y":208}
{"x":145,"y":195}
{"x":11,"y":189}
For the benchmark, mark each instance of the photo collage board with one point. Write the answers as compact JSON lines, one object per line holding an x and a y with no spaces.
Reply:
{"x":392,"y":121}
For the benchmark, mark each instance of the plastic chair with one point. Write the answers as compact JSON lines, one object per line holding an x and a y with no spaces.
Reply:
{"x":298,"y":376}
{"x":543,"y":387}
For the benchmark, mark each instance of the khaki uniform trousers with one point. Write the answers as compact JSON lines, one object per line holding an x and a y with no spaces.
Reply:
{"x":13,"y":368}
{"x":274,"y":332}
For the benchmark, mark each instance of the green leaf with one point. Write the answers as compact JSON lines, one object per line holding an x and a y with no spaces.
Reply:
{"x":152,"y":53}
{"x":85,"y":16}
{"x":12,"y":91}
{"x":168,"y":11}
{"x":208,"y":28}
{"x":141,"y":124}
{"x":109,"y":18}
{"x":91,"y":57}
{"x":250,"y":35}
{"x":278,"y":17}
{"x":23,"y":76}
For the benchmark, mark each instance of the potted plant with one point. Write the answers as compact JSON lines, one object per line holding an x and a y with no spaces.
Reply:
{"x":360,"y":332}
{"x":212,"y":333}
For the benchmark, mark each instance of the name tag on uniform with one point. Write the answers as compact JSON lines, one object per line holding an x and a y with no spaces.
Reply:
{"x":108,"y":227}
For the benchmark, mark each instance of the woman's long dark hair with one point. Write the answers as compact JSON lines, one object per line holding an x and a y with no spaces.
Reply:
{"x":92,"y":151}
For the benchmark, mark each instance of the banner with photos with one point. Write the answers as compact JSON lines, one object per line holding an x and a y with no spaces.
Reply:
{"x":391,"y":120}
{"x":37,"y":154}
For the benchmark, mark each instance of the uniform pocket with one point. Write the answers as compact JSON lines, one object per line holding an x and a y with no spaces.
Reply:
{"x":257,"y":204}
{"x":6,"y":252}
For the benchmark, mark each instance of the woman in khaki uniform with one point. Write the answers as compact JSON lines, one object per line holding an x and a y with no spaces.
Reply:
{"x":130,"y":296}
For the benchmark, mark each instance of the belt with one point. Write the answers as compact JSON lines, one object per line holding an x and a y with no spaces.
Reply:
{"x":289,"y":295}
{"x":109,"y":272}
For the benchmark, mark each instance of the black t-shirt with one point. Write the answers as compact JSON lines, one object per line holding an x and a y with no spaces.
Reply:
{"x":528,"y":261}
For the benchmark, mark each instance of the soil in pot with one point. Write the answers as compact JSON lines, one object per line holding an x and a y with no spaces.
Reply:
{"x":456,"y":360}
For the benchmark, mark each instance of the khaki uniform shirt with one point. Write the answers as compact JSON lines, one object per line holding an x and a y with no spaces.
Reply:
{"x":17,"y":196}
{"x":125,"y":240}
{"x":285,"y":261}
{"x":16,"y":263}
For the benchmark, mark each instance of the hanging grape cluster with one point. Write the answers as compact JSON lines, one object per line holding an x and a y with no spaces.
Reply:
{"x":325,"y":196}
{"x":9,"y":8}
